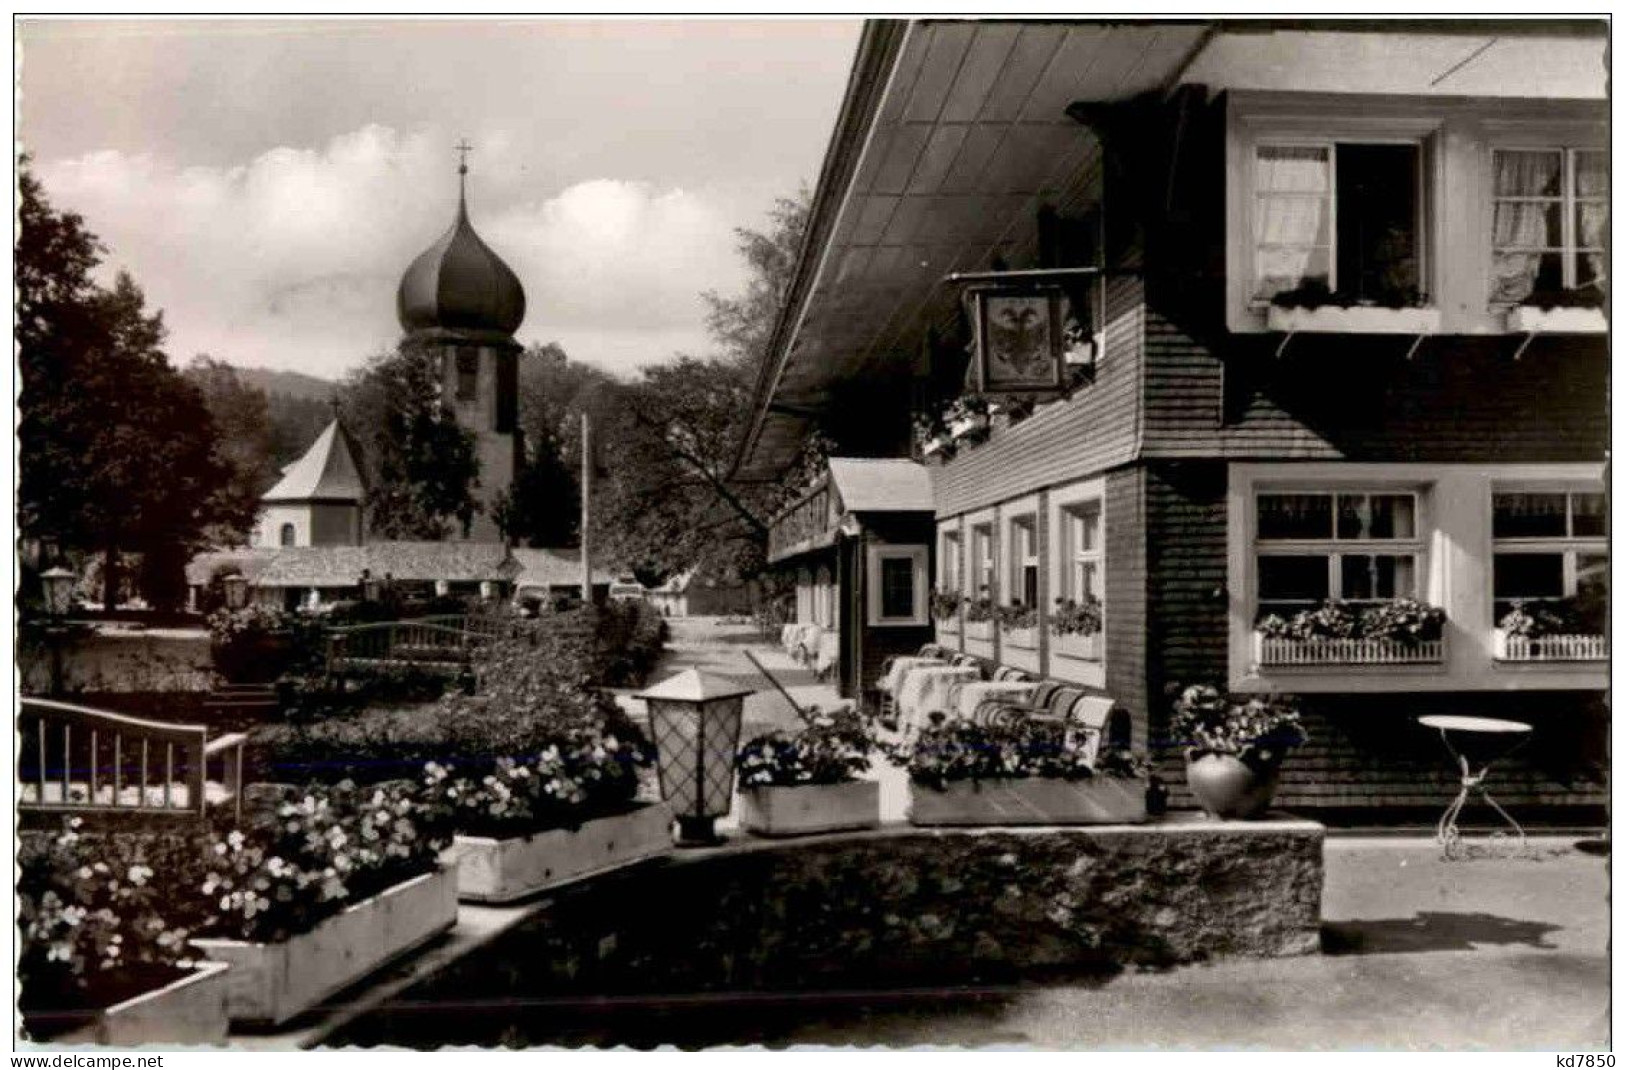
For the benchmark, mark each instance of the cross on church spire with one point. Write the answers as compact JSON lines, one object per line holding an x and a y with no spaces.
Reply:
{"x":463,"y":149}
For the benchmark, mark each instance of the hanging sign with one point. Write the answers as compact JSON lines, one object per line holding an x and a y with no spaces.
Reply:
{"x":1019,"y":339}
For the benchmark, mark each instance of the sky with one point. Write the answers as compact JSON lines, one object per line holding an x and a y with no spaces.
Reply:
{"x":268,"y":181}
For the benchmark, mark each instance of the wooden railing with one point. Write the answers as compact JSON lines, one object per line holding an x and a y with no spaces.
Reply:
{"x":1550,"y":647}
{"x":87,"y":761}
{"x":401,"y":644}
{"x":1292,"y":652}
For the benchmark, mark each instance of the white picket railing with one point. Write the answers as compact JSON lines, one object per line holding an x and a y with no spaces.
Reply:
{"x":1346,"y":651}
{"x":1550,"y":647}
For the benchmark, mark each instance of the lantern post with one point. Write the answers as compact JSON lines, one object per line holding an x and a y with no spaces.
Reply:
{"x":695,"y":718}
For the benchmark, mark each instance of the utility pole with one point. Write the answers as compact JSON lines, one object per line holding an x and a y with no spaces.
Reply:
{"x":586,"y":510}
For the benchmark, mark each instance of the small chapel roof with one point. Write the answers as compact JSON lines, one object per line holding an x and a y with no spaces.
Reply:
{"x":328,"y":472}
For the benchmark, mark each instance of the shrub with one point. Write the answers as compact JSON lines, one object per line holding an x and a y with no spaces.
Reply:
{"x":1072,"y":617}
{"x":831,"y":748}
{"x":257,"y":644}
{"x":1257,"y":729}
{"x":960,"y":749}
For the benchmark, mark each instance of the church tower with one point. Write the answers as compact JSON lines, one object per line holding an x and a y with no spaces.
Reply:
{"x":462,"y":301}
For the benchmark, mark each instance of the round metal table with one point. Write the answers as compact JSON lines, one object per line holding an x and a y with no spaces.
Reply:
{"x":1484,"y":734}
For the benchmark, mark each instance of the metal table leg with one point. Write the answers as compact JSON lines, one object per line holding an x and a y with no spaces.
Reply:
{"x":1449,"y":832}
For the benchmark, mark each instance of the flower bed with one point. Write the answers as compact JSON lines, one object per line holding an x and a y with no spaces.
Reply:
{"x":1401,"y":631}
{"x":1102,"y":800}
{"x":105,"y":953}
{"x":794,"y":783}
{"x":1550,"y":647}
{"x":275,"y":981}
{"x":1026,"y":772}
{"x":492,"y":870}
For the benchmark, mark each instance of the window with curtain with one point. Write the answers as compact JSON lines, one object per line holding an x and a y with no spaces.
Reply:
{"x":1353,"y":546}
{"x":1342,"y":215}
{"x":1550,"y":222}
{"x":1081,"y":536}
{"x":981,"y":546}
{"x":1548,"y":545}
{"x":949,"y":568}
{"x":1023,"y":588}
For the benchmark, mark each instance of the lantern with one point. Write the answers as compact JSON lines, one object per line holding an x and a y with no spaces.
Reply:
{"x":695,"y":718}
{"x":236,"y":586}
{"x":58,"y":583}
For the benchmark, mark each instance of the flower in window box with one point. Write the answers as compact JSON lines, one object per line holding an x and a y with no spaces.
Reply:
{"x":1016,"y":616}
{"x":1075,"y":617}
{"x":1403,"y":620}
{"x":979,"y":609}
{"x":945,"y":604}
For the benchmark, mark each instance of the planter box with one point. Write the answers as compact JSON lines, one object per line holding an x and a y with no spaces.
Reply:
{"x":947,"y":625}
{"x":1550,"y":647}
{"x":803,"y":809}
{"x":272,"y":983}
{"x":491,"y":870}
{"x":1097,"y":800}
{"x":979,"y":629}
{"x":191,"y":1010}
{"x":1527,"y":319}
{"x":1290,"y":652}
{"x":1076,"y":645}
{"x":1021,"y":638}
{"x":1358,"y":320}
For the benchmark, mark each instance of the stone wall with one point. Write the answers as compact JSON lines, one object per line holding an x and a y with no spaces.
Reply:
{"x":879,"y":912}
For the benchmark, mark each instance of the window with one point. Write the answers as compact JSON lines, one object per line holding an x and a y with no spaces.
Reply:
{"x":1550,"y":222}
{"x":287,"y":535}
{"x":1345,"y":216}
{"x":897,"y":577}
{"x":1023,"y":588}
{"x":950,"y":561}
{"x":981,"y":562}
{"x":468,"y":373}
{"x":1548,"y":545}
{"x":1357,"y":546}
{"x":1080,"y":534}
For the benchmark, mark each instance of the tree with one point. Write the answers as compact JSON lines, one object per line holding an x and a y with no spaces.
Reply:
{"x":666,"y":504}
{"x":423,"y":467}
{"x":243,"y":446}
{"x":116,"y":449}
{"x":545,"y":506}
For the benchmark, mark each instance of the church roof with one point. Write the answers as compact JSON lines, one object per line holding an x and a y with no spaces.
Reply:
{"x":459,"y":290}
{"x":328,"y":472}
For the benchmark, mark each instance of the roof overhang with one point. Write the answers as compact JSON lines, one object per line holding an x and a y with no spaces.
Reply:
{"x":953,"y":134}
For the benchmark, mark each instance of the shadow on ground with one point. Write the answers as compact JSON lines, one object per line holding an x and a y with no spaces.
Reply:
{"x":1430,"y":931}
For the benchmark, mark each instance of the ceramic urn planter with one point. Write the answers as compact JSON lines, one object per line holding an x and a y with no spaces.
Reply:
{"x":1229,"y":788}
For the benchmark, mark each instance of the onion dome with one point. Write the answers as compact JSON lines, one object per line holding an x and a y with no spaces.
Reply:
{"x":459,"y":290}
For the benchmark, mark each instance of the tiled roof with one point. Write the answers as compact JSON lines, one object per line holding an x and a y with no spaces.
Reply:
{"x":548,"y":567}
{"x":340,"y":566}
{"x":250,"y":562}
{"x":327,"y":472}
{"x":882,"y":484}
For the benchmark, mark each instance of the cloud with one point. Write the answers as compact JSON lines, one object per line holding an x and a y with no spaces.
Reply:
{"x":291,"y":260}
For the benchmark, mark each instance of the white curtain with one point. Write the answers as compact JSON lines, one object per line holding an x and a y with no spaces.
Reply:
{"x":1522,"y":227}
{"x":1292,"y":216}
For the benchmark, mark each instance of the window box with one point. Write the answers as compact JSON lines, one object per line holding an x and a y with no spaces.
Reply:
{"x":948,"y":625}
{"x":191,"y":1010}
{"x":1550,"y":647}
{"x":1021,"y":638}
{"x":1359,"y":319}
{"x":270,"y":984}
{"x":1095,"y":800}
{"x":1294,"y":652}
{"x":1076,"y":645}
{"x":979,"y":629}
{"x":491,"y":870}
{"x":1528,"y":319}
{"x":803,"y":809}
